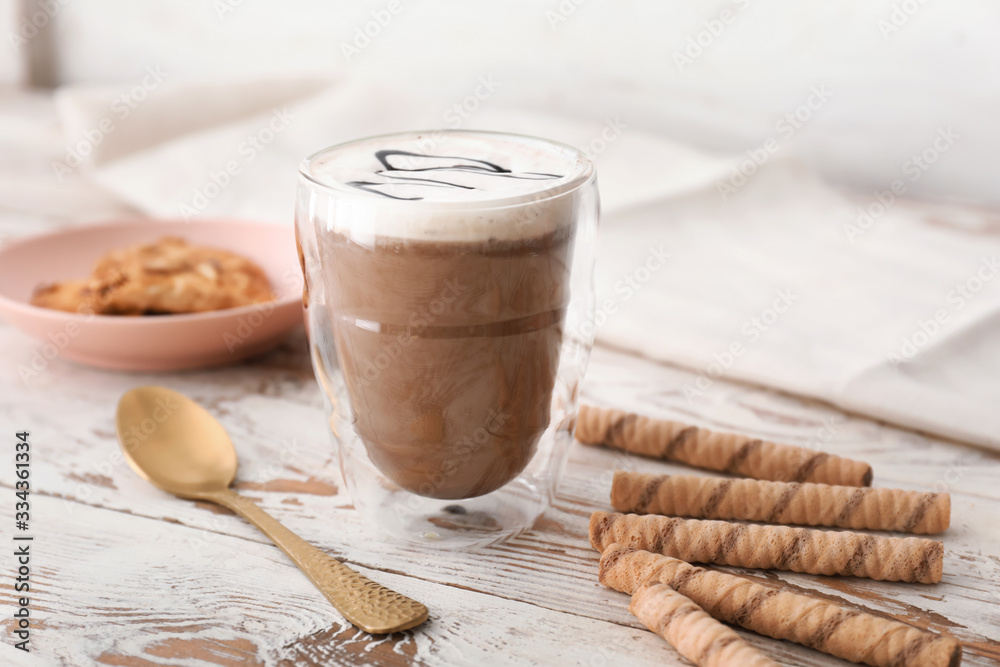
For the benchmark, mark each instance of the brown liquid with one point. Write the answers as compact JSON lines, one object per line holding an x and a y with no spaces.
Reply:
{"x":449,"y":352}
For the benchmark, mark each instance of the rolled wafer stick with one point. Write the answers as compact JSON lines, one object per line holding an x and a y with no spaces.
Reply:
{"x":818,"y":624}
{"x":773,"y":547}
{"x":781,"y":502}
{"x":725,"y":452}
{"x":696,"y":635}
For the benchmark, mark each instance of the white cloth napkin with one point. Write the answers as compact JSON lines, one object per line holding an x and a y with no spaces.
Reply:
{"x":899,"y":323}
{"x":767,"y":288}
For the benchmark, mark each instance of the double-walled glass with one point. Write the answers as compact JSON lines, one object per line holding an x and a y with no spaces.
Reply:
{"x":451,"y":362}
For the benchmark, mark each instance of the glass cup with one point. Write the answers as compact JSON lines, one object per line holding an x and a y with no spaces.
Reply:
{"x":450,"y":334}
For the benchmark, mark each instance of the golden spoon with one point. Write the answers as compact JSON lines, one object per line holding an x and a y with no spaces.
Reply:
{"x":173,"y":443}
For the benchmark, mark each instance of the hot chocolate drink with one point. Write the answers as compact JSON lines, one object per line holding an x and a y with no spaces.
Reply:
{"x":447,"y":287}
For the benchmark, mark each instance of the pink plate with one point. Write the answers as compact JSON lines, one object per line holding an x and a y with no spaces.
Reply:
{"x":150,"y":343}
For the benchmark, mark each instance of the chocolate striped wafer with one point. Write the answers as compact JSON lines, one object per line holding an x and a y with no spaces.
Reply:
{"x":782,"y":502}
{"x":724,"y":452}
{"x":818,"y":624}
{"x":696,"y":635}
{"x":774,"y":547}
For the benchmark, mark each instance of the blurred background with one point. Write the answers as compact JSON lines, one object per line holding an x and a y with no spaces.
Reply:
{"x":896,"y":70}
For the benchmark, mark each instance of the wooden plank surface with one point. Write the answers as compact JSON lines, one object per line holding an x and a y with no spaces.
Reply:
{"x":120,"y":550}
{"x":127,"y":575}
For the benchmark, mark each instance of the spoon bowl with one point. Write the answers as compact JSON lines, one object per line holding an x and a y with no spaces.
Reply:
{"x":174,"y":443}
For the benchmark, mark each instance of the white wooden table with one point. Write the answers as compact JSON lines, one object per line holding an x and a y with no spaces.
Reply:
{"x":123,"y":574}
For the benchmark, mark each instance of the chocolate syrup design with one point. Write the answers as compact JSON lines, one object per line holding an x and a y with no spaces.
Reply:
{"x":438,"y":164}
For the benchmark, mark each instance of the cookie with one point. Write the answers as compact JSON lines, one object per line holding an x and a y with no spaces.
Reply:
{"x":826,"y":626}
{"x":827,"y":552}
{"x":72,"y":296}
{"x":724,"y":452}
{"x":696,"y":635}
{"x":168,"y":276}
{"x":781,"y":502}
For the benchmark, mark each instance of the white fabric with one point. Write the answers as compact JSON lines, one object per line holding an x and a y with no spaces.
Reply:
{"x":776,"y":244}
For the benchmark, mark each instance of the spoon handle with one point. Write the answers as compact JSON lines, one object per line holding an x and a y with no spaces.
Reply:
{"x":365,"y":603}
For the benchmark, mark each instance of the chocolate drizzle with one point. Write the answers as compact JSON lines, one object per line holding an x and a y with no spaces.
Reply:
{"x":439,"y":164}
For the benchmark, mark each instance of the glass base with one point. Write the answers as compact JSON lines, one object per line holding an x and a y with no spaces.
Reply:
{"x":454,"y":524}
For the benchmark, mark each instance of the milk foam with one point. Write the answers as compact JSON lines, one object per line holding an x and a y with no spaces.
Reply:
{"x":448,"y":186}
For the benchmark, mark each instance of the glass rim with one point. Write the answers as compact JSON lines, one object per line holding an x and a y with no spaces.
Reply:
{"x":585,"y":172}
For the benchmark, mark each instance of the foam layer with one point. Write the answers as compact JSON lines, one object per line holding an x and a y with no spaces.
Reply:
{"x":448,"y":186}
